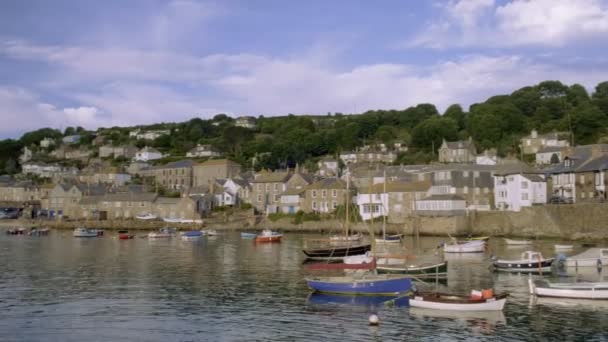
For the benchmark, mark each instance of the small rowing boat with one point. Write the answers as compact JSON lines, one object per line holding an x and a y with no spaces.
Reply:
{"x":543,"y":288}
{"x":125,"y":235}
{"x":439,"y":270}
{"x":475,"y":246}
{"x":268,"y":235}
{"x":163,"y":233}
{"x":486,"y":301}
{"x":246,"y":235}
{"x":517,"y":242}
{"x":368,"y":284}
{"x":85,"y":233}
{"x":191,"y":235}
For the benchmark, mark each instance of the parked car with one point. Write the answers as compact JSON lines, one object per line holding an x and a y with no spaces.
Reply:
{"x":561,"y":200}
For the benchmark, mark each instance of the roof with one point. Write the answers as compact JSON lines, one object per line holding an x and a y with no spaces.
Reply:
{"x":240,"y":182}
{"x":419,"y":186}
{"x":186,"y":163}
{"x":550,"y":149}
{"x":596,"y":164}
{"x":461,"y":144}
{"x":199,"y":189}
{"x":271,"y":177}
{"x":443,"y":197}
{"x":129,"y":197}
{"x":327,"y":183}
{"x":218,"y":162}
{"x":293,"y":192}
{"x":534,"y":177}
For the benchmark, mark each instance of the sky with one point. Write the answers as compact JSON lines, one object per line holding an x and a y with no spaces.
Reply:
{"x":126,"y":62}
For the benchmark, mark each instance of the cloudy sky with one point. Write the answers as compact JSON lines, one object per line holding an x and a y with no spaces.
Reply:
{"x":122,"y":62}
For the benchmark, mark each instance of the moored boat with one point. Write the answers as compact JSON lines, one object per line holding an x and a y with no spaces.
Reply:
{"x":84,"y":232}
{"x":336,"y":252}
{"x":563,"y":247}
{"x":478,"y":238}
{"x":473,"y":246}
{"x":268,"y":235}
{"x":449,"y":302}
{"x":368,"y":284}
{"x":163,"y":233}
{"x":530,"y":261}
{"x":210,"y":232}
{"x":581,"y":290}
{"x":191,"y":235}
{"x":517,"y":242}
{"x":247,"y":235}
{"x":146,"y":216}
{"x":438,"y":270}
{"x":125,"y":235}
{"x":593,"y":257}
{"x":38,"y":231}
{"x":396,"y":238}
{"x":352,"y":237}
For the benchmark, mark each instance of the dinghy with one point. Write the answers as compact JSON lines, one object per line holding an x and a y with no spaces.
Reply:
{"x":146,"y":216}
{"x":517,"y":242}
{"x":191,"y":235}
{"x":268,"y":236}
{"x":448,"y":302}
{"x":475,"y":246}
{"x":368,"y":284}
{"x":163,"y":233}
{"x":85,"y":233}
{"x":563,"y":247}
{"x":593,"y":257}
{"x":543,"y":288}
{"x":125,"y":235}
{"x":439,"y":270}
{"x":530,"y":262}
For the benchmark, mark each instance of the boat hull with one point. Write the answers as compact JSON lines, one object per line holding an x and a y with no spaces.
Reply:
{"x":542,"y":288}
{"x":490,"y":304}
{"x":336,"y":252}
{"x":125,"y":236}
{"x":268,"y":239}
{"x":469,"y":247}
{"x":518,"y":242}
{"x":587,"y":262}
{"x":390,"y":239}
{"x":437,"y":270}
{"x":512,"y":266}
{"x":378,"y":285}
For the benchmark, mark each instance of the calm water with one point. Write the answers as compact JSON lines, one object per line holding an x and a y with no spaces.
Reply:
{"x":59,"y":288}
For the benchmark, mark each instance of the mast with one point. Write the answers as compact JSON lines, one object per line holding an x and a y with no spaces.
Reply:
{"x":347,"y":201}
{"x":383,"y":207}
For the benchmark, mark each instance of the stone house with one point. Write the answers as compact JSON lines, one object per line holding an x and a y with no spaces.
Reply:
{"x":369,"y":156}
{"x":116,"y":206}
{"x":397,"y":202}
{"x":64,"y":199}
{"x":324,"y":196}
{"x":546,"y":154}
{"x":463,"y":151}
{"x":126,"y":151}
{"x":534,"y":142}
{"x":590,"y":180}
{"x":184,"y":208}
{"x":290,"y":201}
{"x":201,"y":151}
{"x":173,"y":176}
{"x":266,"y":190}
{"x":513,"y":191}
{"x":110,"y":176}
{"x":53,"y":171}
{"x":210,"y":170}
{"x":136,"y":167}
{"x":21,"y":192}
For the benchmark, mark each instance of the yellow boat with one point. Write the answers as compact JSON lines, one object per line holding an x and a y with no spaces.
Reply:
{"x":479,"y":238}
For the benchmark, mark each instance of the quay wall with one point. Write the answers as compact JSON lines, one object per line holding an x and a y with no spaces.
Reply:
{"x":571,"y":222}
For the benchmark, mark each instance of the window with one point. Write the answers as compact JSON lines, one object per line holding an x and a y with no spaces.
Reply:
{"x":259,"y":198}
{"x":259,"y":187}
{"x":475,"y":174}
{"x":582,"y":194}
{"x":378,"y":197}
{"x":267,"y":187}
{"x":465,"y":173}
{"x":465,"y":190}
{"x":314,"y":194}
{"x":524,"y":185}
{"x":334,"y":193}
{"x":276,"y":186}
{"x":510,"y":178}
{"x":276,"y":197}
{"x":477,"y":191}
{"x":582,"y":178}
{"x":323,"y":193}
{"x":314,"y":204}
{"x":334,"y":205}
{"x":590,"y":194}
{"x":524,"y":196}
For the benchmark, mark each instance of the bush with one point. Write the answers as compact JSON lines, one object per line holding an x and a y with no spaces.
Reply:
{"x":246,"y":206}
{"x":303,"y":217}
{"x":277,"y":216}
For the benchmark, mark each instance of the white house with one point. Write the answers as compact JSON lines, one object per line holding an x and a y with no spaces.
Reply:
{"x":148,"y":153}
{"x":148,"y":135}
{"x":441,"y":205}
{"x":290,"y":201}
{"x":71,"y":139}
{"x":203,"y":151}
{"x":348,"y":157}
{"x":372,"y":204}
{"x":26,"y":155}
{"x":545,"y":154}
{"x":517,"y":190}
{"x":328,"y":167}
{"x":47,"y":142}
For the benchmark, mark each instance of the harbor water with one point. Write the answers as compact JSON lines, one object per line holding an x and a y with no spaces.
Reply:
{"x":224,"y":288}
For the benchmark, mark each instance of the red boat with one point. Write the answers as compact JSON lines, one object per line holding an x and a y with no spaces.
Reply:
{"x":125,"y":235}
{"x":268,"y":236}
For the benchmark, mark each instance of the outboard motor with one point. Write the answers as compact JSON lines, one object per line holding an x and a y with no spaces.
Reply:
{"x":560,"y":260}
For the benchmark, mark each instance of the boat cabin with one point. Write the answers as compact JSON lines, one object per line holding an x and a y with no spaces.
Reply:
{"x":531,"y":256}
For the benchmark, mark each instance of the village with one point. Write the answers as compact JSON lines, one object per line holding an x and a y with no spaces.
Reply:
{"x":119,"y":183}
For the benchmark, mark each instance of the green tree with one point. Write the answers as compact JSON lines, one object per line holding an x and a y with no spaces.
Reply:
{"x":456,"y":113}
{"x":432,"y":131}
{"x":554,"y":159}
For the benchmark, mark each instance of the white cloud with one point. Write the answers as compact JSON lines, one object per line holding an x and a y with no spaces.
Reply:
{"x":516,"y":23}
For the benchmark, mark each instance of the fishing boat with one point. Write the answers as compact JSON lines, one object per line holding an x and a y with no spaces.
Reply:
{"x":368,"y":284}
{"x":593,"y":257}
{"x":530,"y":261}
{"x":563,"y":247}
{"x":268,"y":235}
{"x":450,"y":302}
{"x":475,"y":246}
{"x":163,"y":233}
{"x":146,"y":216}
{"x":85,"y":233}
{"x":125,"y":235}
{"x":517,"y":242}
{"x":246,"y":235}
{"x":438,"y":270}
{"x":581,"y":290}
{"x":191,"y":235}
{"x":396,"y":238}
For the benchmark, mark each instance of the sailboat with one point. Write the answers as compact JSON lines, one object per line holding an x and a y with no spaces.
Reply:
{"x":396,"y":238}
{"x":336,"y":250}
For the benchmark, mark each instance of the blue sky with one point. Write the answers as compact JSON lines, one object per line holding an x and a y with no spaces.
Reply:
{"x":103,"y":63}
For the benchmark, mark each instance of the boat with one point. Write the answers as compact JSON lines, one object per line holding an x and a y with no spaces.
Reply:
{"x":563,"y":247}
{"x":125,"y":235}
{"x":172,"y":220}
{"x":191,"y":235}
{"x":16,"y":231}
{"x":162,"y":233}
{"x":146,"y":216}
{"x":530,"y":261}
{"x":352,"y":237}
{"x":593,"y":257}
{"x":439,"y":270}
{"x":478,"y":238}
{"x":210,"y":232}
{"x":580,"y":290}
{"x":396,"y":238}
{"x":38,"y":231}
{"x":268,"y":235}
{"x":474,"y":246}
{"x":517,"y":242}
{"x":246,"y":235}
{"x":84,"y":232}
{"x":368,"y":284}
{"x":487,"y":301}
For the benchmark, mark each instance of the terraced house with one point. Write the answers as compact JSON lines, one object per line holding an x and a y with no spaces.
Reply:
{"x":172,"y":176}
{"x":324,"y":196}
{"x":266,"y":190}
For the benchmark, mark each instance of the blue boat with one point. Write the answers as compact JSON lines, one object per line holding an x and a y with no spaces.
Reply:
{"x":370,"y":285}
{"x":191,"y":235}
{"x":246,"y":235}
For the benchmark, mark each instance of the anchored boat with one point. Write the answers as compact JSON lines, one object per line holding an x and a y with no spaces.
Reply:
{"x":543,"y":288}
{"x":125,"y":235}
{"x":593,"y":257}
{"x":530,"y":262}
{"x":439,"y":270}
{"x":449,"y":302}
{"x":473,"y":246}
{"x":517,"y":242}
{"x":86,"y":233}
{"x":368,"y":284}
{"x":163,"y":233}
{"x":268,"y":235}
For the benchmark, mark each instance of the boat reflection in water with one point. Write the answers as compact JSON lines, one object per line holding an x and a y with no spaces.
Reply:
{"x":484,"y":322}
{"x":316,"y":298}
{"x":569,"y":303}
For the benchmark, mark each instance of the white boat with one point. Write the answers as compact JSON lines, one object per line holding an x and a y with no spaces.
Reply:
{"x":543,"y":288}
{"x":475,"y":246}
{"x":517,"y":242}
{"x":448,"y":302}
{"x":530,"y":261}
{"x":172,"y":220}
{"x":163,"y":233}
{"x":366,"y":258}
{"x":353,"y":237}
{"x":593,"y":257}
{"x":210,"y":232}
{"x":84,"y":232}
{"x":146,"y":216}
{"x":563,"y":247}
